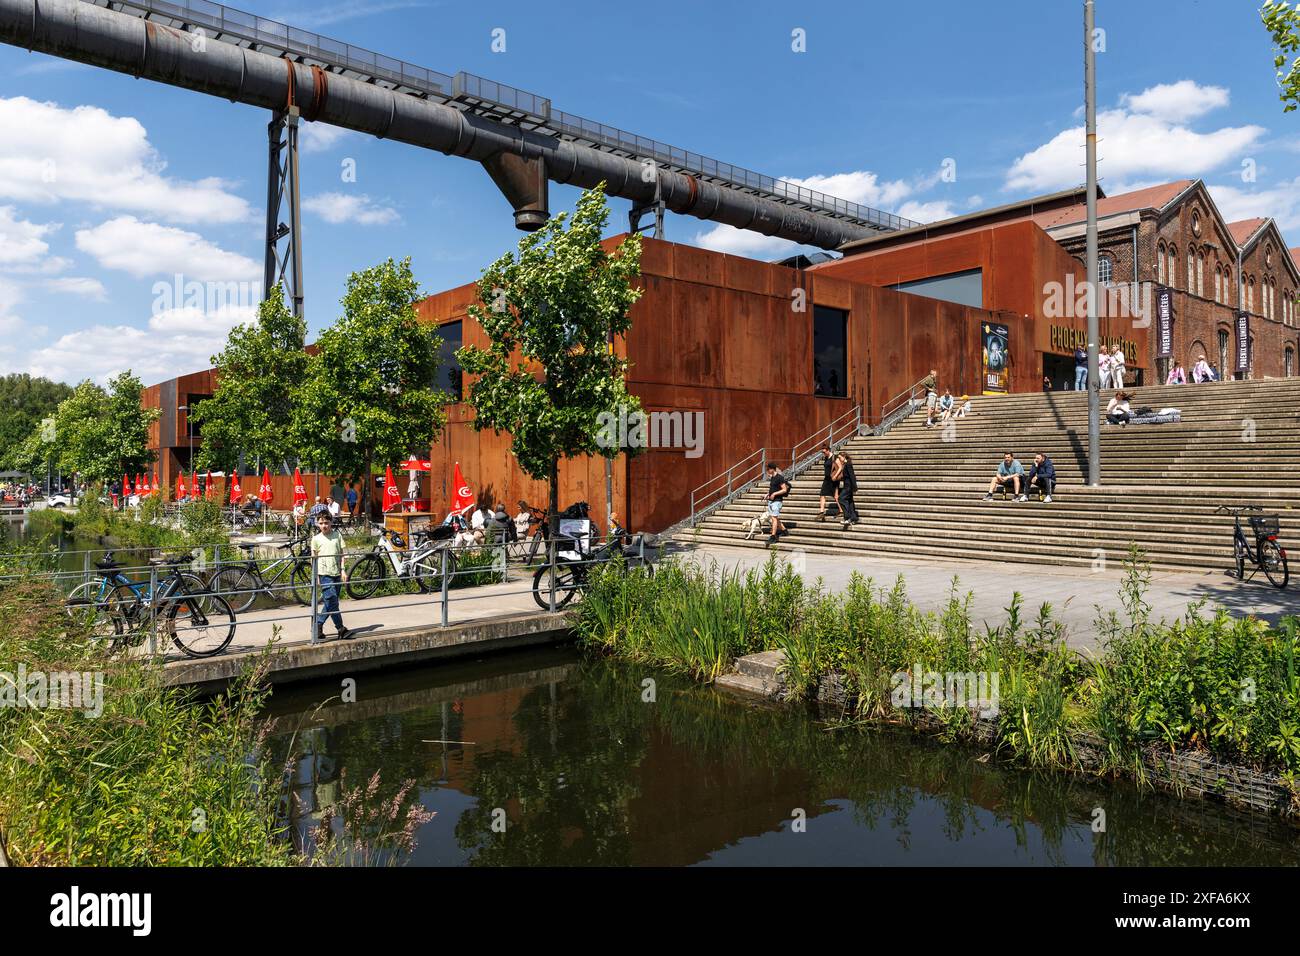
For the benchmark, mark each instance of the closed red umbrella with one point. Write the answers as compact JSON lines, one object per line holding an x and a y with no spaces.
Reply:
{"x":265,"y":492}
{"x":180,"y":486}
{"x":392,"y":497}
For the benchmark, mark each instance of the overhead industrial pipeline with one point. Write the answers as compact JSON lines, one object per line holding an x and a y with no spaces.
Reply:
{"x":519,"y":161}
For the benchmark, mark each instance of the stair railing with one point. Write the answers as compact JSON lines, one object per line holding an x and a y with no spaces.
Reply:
{"x":724,"y":488}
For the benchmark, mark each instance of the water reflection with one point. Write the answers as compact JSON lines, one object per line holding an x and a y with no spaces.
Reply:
{"x":586,"y":773}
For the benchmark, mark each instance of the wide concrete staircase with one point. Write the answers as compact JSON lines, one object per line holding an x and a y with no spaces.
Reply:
{"x":920,"y":489}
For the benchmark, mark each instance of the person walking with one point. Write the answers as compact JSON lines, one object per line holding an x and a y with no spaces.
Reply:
{"x":1080,"y":368}
{"x":352,"y":501}
{"x":828,"y":483}
{"x":1117,"y":368}
{"x":848,"y":487}
{"x":777,"y":490}
{"x":327,"y":564}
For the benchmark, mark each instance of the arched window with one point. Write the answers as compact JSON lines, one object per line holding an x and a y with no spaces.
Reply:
{"x":1218,"y":282}
{"x":1160,"y":263}
{"x":1191,"y":271}
{"x":1105,"y":269}
{"x":1288,"y":361}
{"x":1200,"y":274}
{"x":1224,"y":372}
{"x":1173,"y":266}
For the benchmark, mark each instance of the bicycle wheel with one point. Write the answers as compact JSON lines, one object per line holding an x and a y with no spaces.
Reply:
{"x":1239,"y":553}
{"x":130,"y":616}
{"x":365,"y":576}
{"x":239,"y":587}
{"x":1273,"y":560}
{"x":428,"y":570}
{"x":567,"y":582}
{"x":201,"y":625}
{"x":91,"y":613}
{"x":300,"y":582}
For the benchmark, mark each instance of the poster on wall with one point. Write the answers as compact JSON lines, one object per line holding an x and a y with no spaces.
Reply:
{"x":1243,"y":342}
{"x":1165,"y":322}
{"x":996,"y":359}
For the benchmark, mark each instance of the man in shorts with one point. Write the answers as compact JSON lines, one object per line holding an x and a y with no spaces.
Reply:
{"x":777,"y":489}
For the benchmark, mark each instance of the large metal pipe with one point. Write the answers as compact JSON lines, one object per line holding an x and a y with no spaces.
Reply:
{"x":117,"y":41}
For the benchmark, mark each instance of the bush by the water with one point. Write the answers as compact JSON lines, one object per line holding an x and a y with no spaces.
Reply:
{"x":1225,"y":685}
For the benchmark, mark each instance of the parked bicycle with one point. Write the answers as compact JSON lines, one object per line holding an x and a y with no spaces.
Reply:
{"x":198,"y":622}
{"x":573,"y":563}
{"x":1267,"y":554}
{"x":88,"y":603}
{"x":419,"y":568}
{"x":241,"y":583}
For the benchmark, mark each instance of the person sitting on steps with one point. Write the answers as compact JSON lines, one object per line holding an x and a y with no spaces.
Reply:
{"x":1010,"y":474}
{"x":1042,"y":476}
{"x":1117,"y":409}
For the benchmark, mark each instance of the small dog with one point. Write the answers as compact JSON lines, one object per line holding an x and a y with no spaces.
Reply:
{"x":753,"y":526}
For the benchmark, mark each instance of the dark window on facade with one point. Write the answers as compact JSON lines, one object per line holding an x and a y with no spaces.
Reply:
{"x":195,"y":427}
{"x":1225,"y":370}
{"x":449,"y":372}
{"x":830,"y":351}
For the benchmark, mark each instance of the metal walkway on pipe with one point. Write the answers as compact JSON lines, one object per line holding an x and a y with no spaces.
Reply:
{"x":475,"y":94}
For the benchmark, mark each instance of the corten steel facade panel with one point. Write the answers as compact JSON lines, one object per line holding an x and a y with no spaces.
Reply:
{"x":725,"y":336}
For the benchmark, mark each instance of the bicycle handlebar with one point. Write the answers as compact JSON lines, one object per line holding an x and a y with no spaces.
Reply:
{"x":1235,"y":510}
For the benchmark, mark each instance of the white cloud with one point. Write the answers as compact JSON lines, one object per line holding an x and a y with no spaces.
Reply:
{"x":1176,"y":102}
{"x":50,"y":154}
{"x":179,"y":340}
{"x":1140,"y":140}
{"x":148,"y":249}
{"x":338,"y":12}
{"x":860,"y":187}
{"x":339,"y":208}
{"x":1282,"y":202}
{"x":932,"y":211}
{"x":79,"y":285}
{"x":321,"y":137}
{"x":22,"y":243}
{"x":742,"y":242}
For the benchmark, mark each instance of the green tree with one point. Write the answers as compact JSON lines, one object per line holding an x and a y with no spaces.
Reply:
{"x":258,"y":375}
{"x":25,"y":401}
{"x":1282,"y":20}
{"x":369,"y":393}
{"x":551,"y":311}
{"x":96,"y":433}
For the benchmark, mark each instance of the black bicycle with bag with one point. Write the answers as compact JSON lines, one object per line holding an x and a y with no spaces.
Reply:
{"x":1267,"y":554}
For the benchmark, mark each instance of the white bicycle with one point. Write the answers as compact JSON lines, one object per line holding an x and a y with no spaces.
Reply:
{"x":418,"y":569}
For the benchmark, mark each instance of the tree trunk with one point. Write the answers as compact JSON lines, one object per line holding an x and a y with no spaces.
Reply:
{"x":365,"y":488}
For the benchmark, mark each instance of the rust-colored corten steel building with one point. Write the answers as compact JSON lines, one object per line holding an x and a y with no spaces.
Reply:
{"x":768,"y":354}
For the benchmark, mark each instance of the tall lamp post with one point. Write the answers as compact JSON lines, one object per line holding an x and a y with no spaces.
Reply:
{"x":189,"y":431}
{"x":1094,"y":381}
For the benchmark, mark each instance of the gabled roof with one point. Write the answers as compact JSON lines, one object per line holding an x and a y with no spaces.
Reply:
{"x":1244,"y":229}
{"x":1153,"y":197}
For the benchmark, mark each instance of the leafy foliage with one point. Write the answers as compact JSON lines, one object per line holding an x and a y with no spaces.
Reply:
{"x":1282,"y":21}
{"x":258,"y":374}
{"x":369,"y":393}
{"x":25,"y":401}
{"x":548,"y":312}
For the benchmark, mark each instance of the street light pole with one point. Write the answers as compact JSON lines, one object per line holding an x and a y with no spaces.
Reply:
{"x":1094,"y":381}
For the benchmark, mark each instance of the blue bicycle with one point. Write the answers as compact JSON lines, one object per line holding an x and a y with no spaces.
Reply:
{"x":111,"y":605}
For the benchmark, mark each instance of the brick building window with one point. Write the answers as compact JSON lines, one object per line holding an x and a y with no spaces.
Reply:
{"x":1227,"y":285}
{"x":1160,"y":264}
{"x":1200,"y":274}
{"x":1191,"y":271}
{"x":1218,"y":283}
{"x":1288,"y":361}
{"x":1105,"y":269}
{"x":1173,"y":266}
{"x":1224,"y":370}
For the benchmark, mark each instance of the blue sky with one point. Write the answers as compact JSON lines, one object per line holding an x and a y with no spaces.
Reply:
{"x":153,"y":180}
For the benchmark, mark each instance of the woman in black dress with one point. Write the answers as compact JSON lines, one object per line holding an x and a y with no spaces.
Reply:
{"x":830,"y":488}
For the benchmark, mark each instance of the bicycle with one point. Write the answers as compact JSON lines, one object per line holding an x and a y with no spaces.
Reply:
{"x":1267,"y":555}
{"x":87,"y":603}
{"x":421,"y":568}
{"x":198,"y":622}
{"x":573,"y":573}
{"x":241,"y":583}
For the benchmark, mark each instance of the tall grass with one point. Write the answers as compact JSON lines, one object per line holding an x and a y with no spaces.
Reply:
{"x":1224,"y":685}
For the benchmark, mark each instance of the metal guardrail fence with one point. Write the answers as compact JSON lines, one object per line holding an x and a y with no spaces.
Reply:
{"x":568,"y":581}
{"x":504,"y":103}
